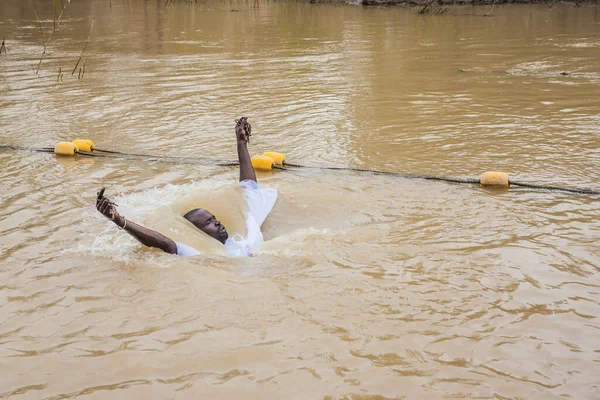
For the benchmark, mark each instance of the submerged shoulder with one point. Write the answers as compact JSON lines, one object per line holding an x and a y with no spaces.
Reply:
{"x":254,"y":187}
{"x":185,"y":250}
{"x":249,"y":184}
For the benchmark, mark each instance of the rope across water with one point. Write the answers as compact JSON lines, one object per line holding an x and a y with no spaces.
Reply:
{"x":446,"y":178}
{"x":376,"y":172}
{"x":288,"y":166}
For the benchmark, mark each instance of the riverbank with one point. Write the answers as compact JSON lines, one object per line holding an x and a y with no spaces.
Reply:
{"x":444,"y":3}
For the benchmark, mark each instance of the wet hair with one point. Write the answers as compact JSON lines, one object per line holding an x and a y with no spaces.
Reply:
{"x":190,"y":214}
{"x":207,"y":223}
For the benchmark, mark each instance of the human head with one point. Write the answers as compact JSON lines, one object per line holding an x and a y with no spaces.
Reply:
{"x":207,"y":223}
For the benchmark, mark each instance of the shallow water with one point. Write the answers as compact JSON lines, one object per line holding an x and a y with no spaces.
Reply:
{"x":368,"y":287}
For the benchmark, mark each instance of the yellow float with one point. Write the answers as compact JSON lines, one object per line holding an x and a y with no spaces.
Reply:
{"x":494,"y":178}
{"x":278,"y":158}
{"x":84,"y":145}
{"x":262,"y":163}
{"x":66,"y":149}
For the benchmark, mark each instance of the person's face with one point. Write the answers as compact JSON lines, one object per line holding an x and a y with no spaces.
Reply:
{"x":209,"y":224}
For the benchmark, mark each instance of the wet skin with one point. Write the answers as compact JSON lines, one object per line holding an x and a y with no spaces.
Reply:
{"x":201,"y":218}
{"x":207,"y":223}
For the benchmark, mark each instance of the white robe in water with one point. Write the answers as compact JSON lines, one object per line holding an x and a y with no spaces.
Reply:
{"x":260,"y":203}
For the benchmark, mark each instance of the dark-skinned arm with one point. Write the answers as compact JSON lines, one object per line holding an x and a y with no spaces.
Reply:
{"x":243,"y":133}
{"x":145,"y":236}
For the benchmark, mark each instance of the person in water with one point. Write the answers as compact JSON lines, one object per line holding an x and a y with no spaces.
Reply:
{"x":260,"y":202}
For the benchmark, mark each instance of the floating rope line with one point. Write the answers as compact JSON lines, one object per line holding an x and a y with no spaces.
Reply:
{"x":216,"y":161}
{"x":117,"y":155}
{"x":24,"y":148}
{"x":376,"y":172}
{"x":445,"y":178}
{"x":112,"y":154}
{"x":555,"y":188}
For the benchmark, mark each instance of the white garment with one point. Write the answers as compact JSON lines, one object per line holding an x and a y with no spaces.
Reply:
{"x":260,"y":203}
{"x":186,"y":251}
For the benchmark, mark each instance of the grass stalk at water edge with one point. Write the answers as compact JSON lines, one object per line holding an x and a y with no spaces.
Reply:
{"x":43,"y":42}
{"x":84,"y":46}
{"x":54,"y":28}
{"x":430,"y":8}
{"x":491,"y":9}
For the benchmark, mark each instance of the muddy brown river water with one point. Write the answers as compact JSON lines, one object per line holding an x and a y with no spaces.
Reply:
{"x":367,"y":287}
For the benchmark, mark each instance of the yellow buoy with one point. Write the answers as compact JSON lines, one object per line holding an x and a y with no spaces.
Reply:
{"x":494,"y":178}
{"x":278,"y":158}
{"x":263,"y":163}
{"x":66,"y":148}
{"x":84,"y":145}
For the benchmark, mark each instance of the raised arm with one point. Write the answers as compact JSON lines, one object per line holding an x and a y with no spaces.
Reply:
{"x":145,"y":236}
{"x":243,"y":132}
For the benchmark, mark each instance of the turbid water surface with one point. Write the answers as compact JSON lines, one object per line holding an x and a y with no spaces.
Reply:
{"x":367,"y":287}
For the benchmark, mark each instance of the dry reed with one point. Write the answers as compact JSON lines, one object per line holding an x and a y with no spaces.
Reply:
{"x":430,"y":8}
{"x":54,"y":28}
{"x":84,"y":47}
{"x":491,"y":9}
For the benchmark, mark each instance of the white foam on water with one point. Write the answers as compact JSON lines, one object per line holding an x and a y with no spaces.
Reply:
{"x":295,"y":244}
{"x":580,"y":45}
{"x":160,"y":209}
{"x":535,"y":68}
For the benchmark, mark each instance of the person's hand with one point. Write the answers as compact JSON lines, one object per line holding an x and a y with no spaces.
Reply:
{"x":107,"y":207}
{"x":243,"y":130}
